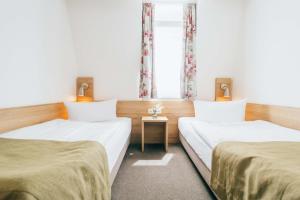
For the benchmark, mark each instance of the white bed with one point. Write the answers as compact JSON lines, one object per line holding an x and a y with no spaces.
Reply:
{"x":199,"y":138}
{"x":113,"y":135}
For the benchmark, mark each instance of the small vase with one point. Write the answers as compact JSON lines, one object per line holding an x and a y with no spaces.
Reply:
{"x":154,"y":115}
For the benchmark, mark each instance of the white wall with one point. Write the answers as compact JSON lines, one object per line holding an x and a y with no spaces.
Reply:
{"x":107,"y":35}
{"x":272,"y":52}
{"x":220,"y":31}
{"x":255,"y":41}
{"x":37,"y":61}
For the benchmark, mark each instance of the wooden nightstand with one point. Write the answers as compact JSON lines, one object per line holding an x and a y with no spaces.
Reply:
{"x":158,"y":119}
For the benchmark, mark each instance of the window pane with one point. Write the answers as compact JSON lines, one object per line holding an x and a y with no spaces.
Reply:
{"x":168,"y":43}
{"x":168,"y":12}
{"x":168,"y":49}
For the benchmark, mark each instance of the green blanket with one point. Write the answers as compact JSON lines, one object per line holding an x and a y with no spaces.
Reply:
{"x":265,"y":171}
{"x":48,"y":170}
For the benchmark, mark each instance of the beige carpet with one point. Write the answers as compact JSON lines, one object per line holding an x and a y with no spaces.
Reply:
{"x":156,"y":175}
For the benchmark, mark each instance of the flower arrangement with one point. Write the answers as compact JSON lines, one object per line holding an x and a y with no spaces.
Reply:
{"x":155,"y":110}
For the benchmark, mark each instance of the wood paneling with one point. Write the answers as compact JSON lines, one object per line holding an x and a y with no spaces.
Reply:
{"x":173,"y":109}
{"x":284,"y":116}
{"x":13,"y":118}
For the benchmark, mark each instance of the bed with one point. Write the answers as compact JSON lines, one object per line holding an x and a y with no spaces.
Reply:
{"x":201,"y":138}
{"x":114,"y":135}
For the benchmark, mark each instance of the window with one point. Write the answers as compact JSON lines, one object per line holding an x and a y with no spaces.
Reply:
{"x":168,"y":45}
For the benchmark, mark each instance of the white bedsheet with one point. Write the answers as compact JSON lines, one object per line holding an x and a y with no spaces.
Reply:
{"x":196,"y":142}
{"x":203,"y":136}
{"x":112,"y":135}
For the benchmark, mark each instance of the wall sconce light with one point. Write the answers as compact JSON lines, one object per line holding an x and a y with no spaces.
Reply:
{"x":83,"y":87}
{"x":225,"y":88}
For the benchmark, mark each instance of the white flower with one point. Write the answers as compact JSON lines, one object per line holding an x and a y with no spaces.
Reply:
{"x":156,"y":109}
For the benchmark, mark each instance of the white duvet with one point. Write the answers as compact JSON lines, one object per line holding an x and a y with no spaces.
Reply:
{"x":111,"y":134}
{"x":248,"y":131}
{"x":64,"y":130}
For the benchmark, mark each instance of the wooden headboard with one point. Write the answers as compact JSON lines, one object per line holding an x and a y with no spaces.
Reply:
{"x":284,"y":116}
{"x":13,"y":118}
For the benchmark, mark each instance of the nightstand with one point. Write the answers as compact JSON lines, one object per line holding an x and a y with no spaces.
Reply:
{"x":159,"y":119}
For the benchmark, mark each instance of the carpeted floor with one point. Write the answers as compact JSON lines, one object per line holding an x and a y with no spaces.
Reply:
{"x":157,"y":175}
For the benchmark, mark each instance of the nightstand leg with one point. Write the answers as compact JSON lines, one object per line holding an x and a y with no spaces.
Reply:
{"x":142,"y":136}
{"x":166,"y":137}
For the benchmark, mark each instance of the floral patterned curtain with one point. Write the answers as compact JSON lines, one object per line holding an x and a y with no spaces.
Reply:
{"x":147,"y":79}
{"x":188,"y":76}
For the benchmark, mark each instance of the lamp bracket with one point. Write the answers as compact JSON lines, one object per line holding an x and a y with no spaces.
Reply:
{"x":84,"y":85}
{"x":224,"y":86}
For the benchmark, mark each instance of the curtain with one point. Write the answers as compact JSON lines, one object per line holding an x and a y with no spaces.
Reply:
{"x":147,"y":78}
{"x":188,"y":74}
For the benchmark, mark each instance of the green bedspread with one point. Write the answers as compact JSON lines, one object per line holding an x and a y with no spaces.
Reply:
{"x":48,"y":170}
{"x":261,"y":171}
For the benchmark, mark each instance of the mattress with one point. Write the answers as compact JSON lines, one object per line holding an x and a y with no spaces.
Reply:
{"x":113,"y":135}
{"x":203,"y":137}
{"x":199,"y":146}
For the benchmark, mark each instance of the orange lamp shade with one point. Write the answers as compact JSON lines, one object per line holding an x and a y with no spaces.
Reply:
{"x":223,"y":98}
{"x":84,"y":99}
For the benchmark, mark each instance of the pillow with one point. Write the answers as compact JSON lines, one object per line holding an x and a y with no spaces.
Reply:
{"x":92,"y":111}
{"x":229,"y":111}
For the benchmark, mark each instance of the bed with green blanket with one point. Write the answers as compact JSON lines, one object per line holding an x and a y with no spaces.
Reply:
{"x":47,"y":170}
{"x":264,"y":171}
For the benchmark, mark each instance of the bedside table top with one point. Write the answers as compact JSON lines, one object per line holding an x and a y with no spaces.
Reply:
{"x":154,"y":119}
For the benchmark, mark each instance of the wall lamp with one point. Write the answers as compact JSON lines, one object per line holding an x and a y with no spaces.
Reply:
{"x":226,"y":90}
{"x":82,"y":89}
